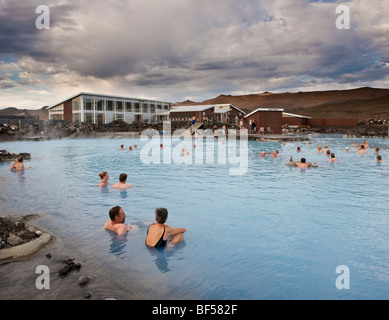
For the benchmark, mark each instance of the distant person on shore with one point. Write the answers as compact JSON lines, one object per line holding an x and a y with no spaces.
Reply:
{"x":332,"y":158}
{"x":379,"y":159}
{"x":122,"y":182}
{"x":302,"y":163}
{"x":104,"y":179}
{"x":18,"y":164}
{"x":253,"y":127}
{"x":241,"y":124}
{"x":159,"y":233}
{"x":116,"y":221}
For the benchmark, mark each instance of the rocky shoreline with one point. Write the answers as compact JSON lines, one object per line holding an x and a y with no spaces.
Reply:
{"x":18,"y":239}
{"x":22,"y":253}
{"x":6,"y":156}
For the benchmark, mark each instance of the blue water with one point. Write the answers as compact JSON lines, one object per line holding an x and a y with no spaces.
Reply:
{"x":274,"y":233}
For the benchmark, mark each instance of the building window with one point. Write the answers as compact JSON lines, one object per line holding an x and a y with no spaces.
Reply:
{"x":88,"y":104}
{"x":137,"y":107}
{"x":145,"y":108}
{"x":120,"y":117}
{"x":76,"y":117}
{"x":119,"y":106}
{"x":88,"y":117}
{"x":76,"y":104}
{"x":152,"y":108}
{"x":100,"y":118}
{"x":99,"y":105}
{"x":56,"y":117}
{"x":129,"y":107}
{"x":109,"y":105}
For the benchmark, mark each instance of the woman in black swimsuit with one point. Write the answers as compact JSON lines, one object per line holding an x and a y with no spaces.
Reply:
{"x":158,"y":233}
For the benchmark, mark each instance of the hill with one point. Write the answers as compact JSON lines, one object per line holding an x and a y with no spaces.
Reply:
{"x":362,"y":103}
{"x":42,"y":113}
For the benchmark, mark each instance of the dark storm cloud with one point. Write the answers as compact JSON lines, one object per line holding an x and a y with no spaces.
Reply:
{"x":18,"y":33}
{"x":217,"y":46}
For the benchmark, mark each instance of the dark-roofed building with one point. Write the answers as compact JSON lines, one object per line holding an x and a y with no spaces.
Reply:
{"x":292,"y":119}
{"x":202,"y":113}
{"x":223,"y":113}
{"x":268,"y":121}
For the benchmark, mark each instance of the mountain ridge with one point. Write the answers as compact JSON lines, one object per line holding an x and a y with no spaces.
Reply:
{"x":362,"y":103}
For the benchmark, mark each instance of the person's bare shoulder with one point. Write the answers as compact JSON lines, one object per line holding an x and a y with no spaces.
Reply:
{"x":123,"y":229}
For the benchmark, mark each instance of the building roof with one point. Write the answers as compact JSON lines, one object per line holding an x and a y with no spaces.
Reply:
{"x":220,"y":111}
{"x":208,"y":106}
{"x":196,"y":108}
{"x":105,"y":96}
{"x":264,"y":109}
{"x":287,"y":114}
{"x":164,"y":113}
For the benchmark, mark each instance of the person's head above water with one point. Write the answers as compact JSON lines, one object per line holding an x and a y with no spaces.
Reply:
{"x":103,"y":174}
{"x":161,"y":215}
{"x":114,"y":212}
{"x":123,"y":177}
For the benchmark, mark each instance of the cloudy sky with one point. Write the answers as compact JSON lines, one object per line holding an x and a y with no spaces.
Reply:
{"x":175,"y":50}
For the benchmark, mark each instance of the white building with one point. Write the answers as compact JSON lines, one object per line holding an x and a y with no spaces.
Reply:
{"x":100,"y":109}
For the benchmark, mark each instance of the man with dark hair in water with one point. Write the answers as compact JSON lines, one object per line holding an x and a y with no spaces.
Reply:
{"x":122,"y":182}
{"x":116,"y":221}
{"x":18,"y":164}
{"x":302,"y":163}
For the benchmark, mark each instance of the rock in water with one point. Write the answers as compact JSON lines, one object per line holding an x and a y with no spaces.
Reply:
{"x":290,"y":163}
{"x":83,"y":280}
{"x":64,"y":271}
